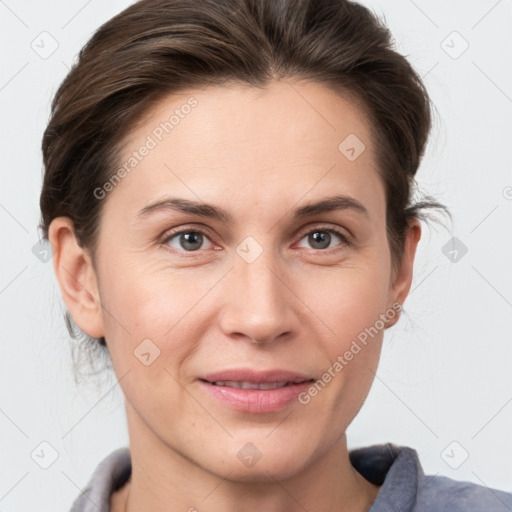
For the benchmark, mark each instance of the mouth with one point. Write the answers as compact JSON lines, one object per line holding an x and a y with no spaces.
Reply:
{"x":249,"y":376}
{"x":248,"y":396}
{"x":256,"y":385}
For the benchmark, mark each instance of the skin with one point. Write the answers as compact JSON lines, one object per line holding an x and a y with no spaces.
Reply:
{"x":259,"y":154}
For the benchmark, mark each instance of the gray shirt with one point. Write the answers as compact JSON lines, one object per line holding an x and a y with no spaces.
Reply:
{"x":405,"y":487}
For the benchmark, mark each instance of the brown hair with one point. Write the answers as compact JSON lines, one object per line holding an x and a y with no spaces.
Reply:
{"x":158,"y":47}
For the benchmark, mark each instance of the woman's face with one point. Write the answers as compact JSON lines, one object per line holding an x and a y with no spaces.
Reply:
{"x":178,"y":307}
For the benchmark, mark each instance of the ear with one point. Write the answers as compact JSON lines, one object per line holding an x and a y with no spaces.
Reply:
{"x":401,"y":279}
{"x":76,"y":276}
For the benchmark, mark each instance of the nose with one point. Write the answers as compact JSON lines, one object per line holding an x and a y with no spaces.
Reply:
{"x":258,"y":304}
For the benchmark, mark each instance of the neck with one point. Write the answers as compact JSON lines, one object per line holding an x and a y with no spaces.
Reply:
{"x":163,"y":479}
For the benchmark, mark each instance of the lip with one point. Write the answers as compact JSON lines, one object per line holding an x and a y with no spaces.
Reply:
{"x":256,"y":400}
{"x":258,"y":377}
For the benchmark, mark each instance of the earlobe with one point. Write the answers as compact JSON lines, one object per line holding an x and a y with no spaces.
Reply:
{"x":76,"y":276}
{"x":401,"y":284}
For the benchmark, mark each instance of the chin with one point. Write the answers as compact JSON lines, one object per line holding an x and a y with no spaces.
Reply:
{"x":250,"y":464}
{"x":263,"y":472}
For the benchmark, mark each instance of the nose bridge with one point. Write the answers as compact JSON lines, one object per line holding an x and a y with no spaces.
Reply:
{"x":259,"y":278}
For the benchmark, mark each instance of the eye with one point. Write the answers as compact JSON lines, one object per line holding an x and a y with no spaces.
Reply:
{"x":192,"y":240}
{"x":189,"y":240}
{"x":321,"y":238}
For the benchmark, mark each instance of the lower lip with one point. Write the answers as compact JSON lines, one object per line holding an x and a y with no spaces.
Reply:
{"x":256,"y":400}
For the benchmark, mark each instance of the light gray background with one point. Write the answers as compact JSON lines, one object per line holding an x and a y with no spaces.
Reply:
{"x":445,"y":368}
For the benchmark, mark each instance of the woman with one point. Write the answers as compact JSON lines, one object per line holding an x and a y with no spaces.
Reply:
{"x":282,"y":139}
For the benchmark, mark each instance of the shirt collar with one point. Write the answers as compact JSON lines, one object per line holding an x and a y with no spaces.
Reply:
{"x":396,"y":468}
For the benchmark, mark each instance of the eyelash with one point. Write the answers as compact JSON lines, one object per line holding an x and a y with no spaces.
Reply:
{"x":325,"y":229}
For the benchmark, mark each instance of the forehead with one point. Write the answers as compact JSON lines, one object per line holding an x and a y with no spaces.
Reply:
{"x":284,"y":114}
{"x":280,"y":143}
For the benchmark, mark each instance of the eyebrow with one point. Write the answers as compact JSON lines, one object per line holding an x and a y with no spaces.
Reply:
{"x":338,"y":202}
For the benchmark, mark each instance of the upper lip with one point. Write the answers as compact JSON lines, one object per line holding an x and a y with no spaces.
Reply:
{"x":250,"y":375}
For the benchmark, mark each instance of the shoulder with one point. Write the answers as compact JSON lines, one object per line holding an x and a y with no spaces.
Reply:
{"x":405,"y":486}
{"x":110,"y":474}
{"x":444,"y":494}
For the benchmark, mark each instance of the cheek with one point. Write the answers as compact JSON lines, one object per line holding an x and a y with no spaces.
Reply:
{"x":157,"y":303}
{"x":347,"y":299}
{"x":350,"y":301}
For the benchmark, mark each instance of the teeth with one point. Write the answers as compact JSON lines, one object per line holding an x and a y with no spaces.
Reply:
{"x":249,"y":385}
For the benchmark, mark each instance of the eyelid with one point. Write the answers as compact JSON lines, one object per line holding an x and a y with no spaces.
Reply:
{"x":344,"y":233}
